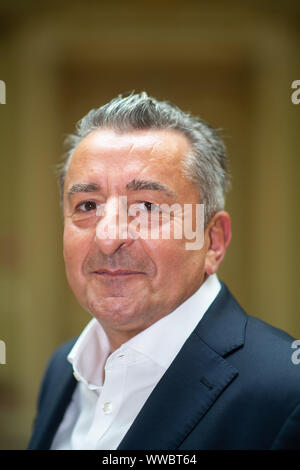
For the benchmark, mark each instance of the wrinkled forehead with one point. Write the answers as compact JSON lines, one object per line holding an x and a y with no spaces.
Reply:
{"x":155,"y":146}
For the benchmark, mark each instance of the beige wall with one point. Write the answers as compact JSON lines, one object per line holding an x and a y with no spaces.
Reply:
{"x":232,"y":66}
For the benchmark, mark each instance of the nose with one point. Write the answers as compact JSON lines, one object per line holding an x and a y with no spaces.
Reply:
{"x":111,"y":230}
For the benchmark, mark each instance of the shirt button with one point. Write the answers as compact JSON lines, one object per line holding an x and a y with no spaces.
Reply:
{"x":107,"y":407}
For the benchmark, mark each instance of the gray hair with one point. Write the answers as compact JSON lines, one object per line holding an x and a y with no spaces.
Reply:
{"x":206,"y":164}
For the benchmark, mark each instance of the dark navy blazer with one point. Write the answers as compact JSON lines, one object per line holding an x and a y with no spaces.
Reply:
{"x":233,"y":385}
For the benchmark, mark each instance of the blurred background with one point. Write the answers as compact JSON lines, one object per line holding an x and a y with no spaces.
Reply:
{"x":231,"y":63}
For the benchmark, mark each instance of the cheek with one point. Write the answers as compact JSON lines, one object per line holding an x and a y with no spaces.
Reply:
{"x":178,"y":265}
{"x":168,"y":257}
{"x":75,"y":250}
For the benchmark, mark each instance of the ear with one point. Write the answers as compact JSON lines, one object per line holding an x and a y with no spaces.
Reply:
{"x":218,"y":233}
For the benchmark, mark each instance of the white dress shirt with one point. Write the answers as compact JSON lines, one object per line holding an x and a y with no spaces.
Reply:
{"x":100,"y":413}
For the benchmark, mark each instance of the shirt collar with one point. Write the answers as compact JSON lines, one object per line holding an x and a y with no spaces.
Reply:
{"x":89,"y":354}
{"x":160,"y":342}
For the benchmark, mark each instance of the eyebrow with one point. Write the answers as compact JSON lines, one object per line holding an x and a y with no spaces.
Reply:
{"x":83,"y":188}
{"x":150,"y":185}
{"x":134,"y":185}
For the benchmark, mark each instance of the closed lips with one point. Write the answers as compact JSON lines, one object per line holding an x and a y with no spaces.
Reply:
{"x":117,"y":273}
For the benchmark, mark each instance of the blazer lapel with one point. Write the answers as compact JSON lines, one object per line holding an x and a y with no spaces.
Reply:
{"x":193,"y":382}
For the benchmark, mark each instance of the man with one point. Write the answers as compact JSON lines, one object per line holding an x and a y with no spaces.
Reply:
{"x":169,"y":360}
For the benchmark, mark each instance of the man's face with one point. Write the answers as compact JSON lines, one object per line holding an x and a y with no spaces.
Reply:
{"x":128,"y":284}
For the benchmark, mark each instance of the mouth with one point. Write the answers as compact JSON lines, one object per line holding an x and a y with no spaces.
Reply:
{"x":117,"y":273}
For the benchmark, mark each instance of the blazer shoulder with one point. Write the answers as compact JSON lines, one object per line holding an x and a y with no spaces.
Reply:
{"x":58,"y":360}
{"x":55,"y":392}
{"x":268,"y":352}
{"x":261,"y":334}
{"x":269,"y":331}
{"x":60,"y":354}
{"x":265,"y":351}
{"x":57,"y":367}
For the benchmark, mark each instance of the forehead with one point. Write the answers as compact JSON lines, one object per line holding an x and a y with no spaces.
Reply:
{"x":108,"y":152}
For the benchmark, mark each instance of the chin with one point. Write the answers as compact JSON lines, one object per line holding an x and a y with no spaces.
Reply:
{"x":114,"y":310}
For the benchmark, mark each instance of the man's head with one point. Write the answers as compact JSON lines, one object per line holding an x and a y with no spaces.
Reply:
{"x":154,"y":154}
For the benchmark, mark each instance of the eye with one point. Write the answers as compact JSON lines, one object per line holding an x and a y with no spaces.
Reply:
{"x":148,"y":206}
{"x":86,"y":206}
{"x":145,"y":207}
